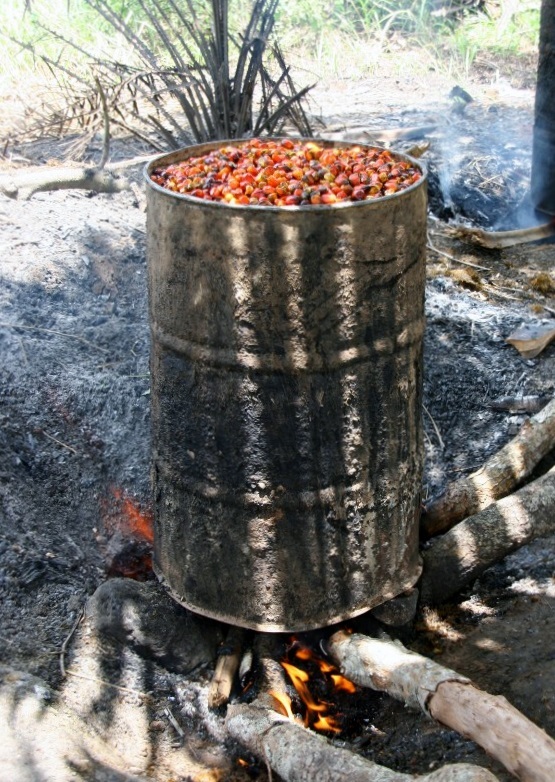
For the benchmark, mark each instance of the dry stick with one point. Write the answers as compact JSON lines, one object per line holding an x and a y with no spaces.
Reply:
{"x":498,"y":476}
{"x":226,"y":668}
{"x":59,"y":442}
{"x":174,"y":723}
{"x":457,"y":558}
{"x":53,"y":331}
{"x":300,"y":755}
{"x":24,"y":184}
{"x":432,"y":247}
{"x":497,"y":240}
{"x":106,"y":118}
{"x":105,"y":683}
{"x":66,"y":641}
{"x":451,"y":699}
{"x":436,"y":429}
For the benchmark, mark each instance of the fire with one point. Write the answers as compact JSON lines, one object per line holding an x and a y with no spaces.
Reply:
{"x":317,"y":711}
{"x":341,"y":683}
{"x":327,"y":724}
{"x":132,"y":519}
{"x":128,"y":537}
{"x":283,"y":703}
{"x":299,"y":678}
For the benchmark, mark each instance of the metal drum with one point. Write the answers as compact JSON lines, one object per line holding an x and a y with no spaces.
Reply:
{"x":286,"y":403}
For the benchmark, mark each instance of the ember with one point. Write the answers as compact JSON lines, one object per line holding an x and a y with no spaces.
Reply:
{"x":288,"y":173}
{"x":128,"y":539}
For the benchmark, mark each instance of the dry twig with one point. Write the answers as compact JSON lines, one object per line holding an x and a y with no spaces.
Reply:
{"x":67,"y":639}
{"x":54,"y":331}
{"x":432,"y":247}
{"x":496,"y":240}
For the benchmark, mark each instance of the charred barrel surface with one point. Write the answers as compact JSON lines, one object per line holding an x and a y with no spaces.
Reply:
{"x":543,"y":158}
{"x":286,"y":397}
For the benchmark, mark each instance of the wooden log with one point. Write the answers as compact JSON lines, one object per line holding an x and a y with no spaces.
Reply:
{"x":24,"y":184}
{"x":227,"y":666}
{"x":457,"y":558}
{"x":300,"y":755}
{"x":498,"y":476}
{"x":489,"y":720}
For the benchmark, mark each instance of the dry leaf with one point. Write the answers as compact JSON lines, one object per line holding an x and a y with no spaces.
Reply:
{"x":544,"y":283}
{"x":468,"y":278}
{"x":531,"y":339}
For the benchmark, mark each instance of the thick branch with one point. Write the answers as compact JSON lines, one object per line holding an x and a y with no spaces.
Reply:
{"x":489,"y":720}
{"x":457,"y":558}
{"x":497,"y":478}
{"x":299,"y":755}
{"x":23,"y":185}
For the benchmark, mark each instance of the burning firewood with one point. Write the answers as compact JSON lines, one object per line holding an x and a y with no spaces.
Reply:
{"x":498,"y":476}
{"x":299,"y":755}
{"x":462,"y":554}
{"x":227,"y":666}
{"x":451,"y":699}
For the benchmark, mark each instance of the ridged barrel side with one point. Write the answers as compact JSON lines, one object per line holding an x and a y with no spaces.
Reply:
{"x":286,"y":403}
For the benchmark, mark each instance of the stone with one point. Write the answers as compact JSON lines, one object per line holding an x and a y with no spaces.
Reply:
{"x":143,"y":616}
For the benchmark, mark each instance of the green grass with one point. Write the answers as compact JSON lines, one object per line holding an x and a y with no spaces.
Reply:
{"x":507,"y":34}
{"x":329,"y":36}
{"x":332,"y":38}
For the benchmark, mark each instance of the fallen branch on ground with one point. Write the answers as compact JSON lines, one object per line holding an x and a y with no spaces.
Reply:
{"x":497,"y":240}
{"x":457,"y":558}
{"x":299,"y":755}
{"x":451,"y":699}
{"x":498,"y":476}
{"x":24,"y":184}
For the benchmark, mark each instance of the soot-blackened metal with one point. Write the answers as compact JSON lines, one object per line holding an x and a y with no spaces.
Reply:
{"x":286,"y":403}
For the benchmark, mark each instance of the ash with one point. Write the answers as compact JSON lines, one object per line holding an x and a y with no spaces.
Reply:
{"x":74,"y":418}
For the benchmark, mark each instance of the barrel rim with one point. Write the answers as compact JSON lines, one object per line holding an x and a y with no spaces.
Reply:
{"x":319,"y":623}
{"x":178,"y":155}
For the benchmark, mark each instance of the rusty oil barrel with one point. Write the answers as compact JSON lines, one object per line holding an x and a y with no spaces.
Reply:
{"x":286,"y":387}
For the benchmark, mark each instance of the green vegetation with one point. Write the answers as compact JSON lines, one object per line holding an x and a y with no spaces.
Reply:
{"x":158,"y":50}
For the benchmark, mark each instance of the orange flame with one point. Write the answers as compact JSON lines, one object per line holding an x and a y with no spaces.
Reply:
{"x":341,"y":683}
{"x":133,"y":520}
{"x":317,"y":711}
{"x":327,"y":723}
{"x":283,"y":703}
{"x":128,"y":535}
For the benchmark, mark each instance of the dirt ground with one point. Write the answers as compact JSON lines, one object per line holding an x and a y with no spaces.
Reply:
{"x":74,"y":417}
